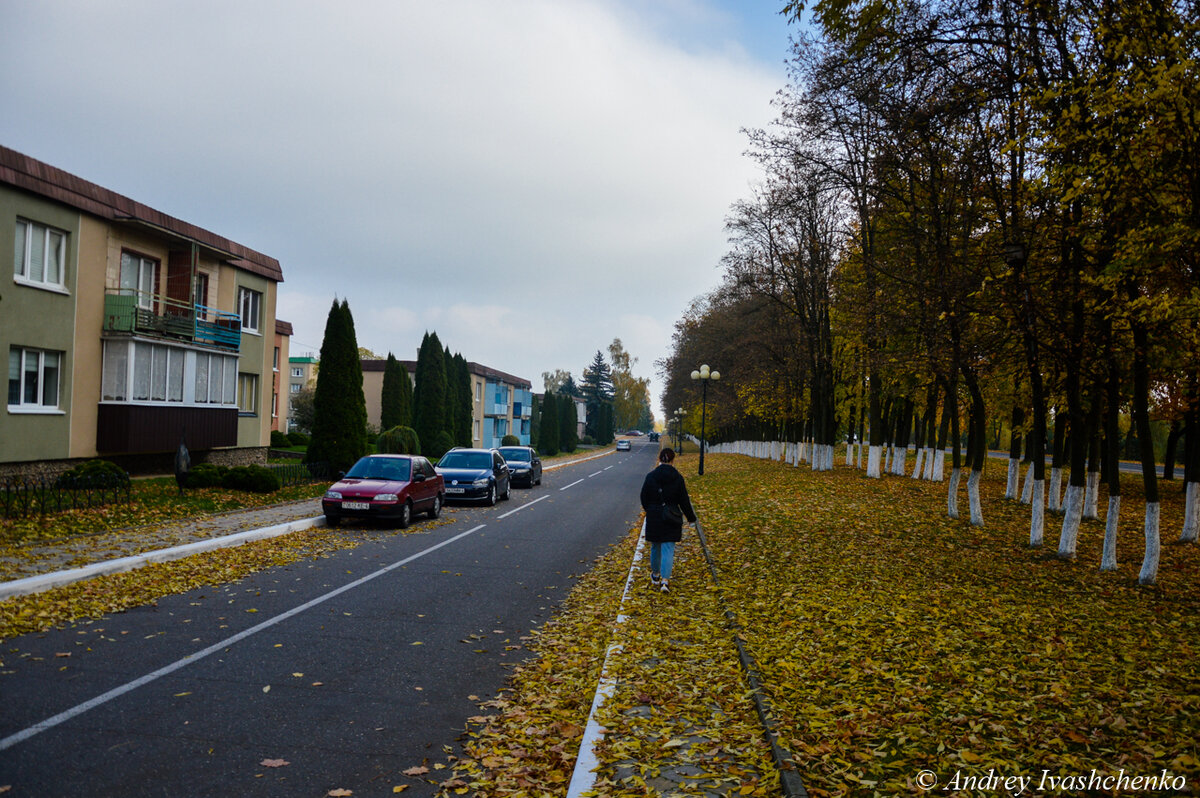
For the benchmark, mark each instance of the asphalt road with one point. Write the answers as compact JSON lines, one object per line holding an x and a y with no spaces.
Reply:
{"x":351,"y":668}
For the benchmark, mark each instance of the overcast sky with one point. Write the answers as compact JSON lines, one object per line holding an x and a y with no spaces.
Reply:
{"x":528,"y":178}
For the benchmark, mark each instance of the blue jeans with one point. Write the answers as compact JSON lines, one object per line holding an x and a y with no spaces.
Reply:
{"x":662,"y":557}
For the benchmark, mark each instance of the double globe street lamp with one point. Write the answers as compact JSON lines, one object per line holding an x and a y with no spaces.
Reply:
{"x":704,"y":375}
{"x":678,"y":418}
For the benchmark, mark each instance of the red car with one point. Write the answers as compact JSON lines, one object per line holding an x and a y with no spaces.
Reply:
{"x":386,"y":486}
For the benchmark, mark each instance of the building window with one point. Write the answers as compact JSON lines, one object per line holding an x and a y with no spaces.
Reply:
{"x":298,"y":372}
{"x":33,"y":378}
{"x":296,"y":387}
{"x":247,"y":393}
{"x":40,"y":255}
{"x":251,"y":304}
{"x":478,"y":394}
{"x":138,"y":278}
{"x":201,"y":289}
{"x":475,"y":436}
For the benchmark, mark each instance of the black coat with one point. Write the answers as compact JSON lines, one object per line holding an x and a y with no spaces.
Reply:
{"x":674,"y":491}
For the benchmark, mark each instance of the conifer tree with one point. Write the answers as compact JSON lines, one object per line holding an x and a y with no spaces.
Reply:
{"x":429,"y":395}
{"x":339,"y":429}
{"x":568,"y":423}
{"x":391,"y":401}
{"x":548,"y":435}
{"x":465,"y":407}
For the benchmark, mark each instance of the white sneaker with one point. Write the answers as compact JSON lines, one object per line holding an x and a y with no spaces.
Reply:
{"x":665,"y":586}
{"x":655,"y":579}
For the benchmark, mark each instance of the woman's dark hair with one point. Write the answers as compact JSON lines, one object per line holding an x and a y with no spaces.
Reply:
{"x":666,"y":455}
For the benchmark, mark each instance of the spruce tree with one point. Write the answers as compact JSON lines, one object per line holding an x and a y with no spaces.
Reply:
{"x":429,"y":395}
{"x":548,"y":435}
{"x":339,"y":429}
{"x":391,"y":400}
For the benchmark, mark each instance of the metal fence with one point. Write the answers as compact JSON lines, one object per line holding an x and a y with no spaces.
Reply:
{"x":301,"y":473}
{"x":36,"y":495}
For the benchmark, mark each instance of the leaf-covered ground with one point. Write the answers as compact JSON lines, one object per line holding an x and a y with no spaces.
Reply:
{"x":891,"y":641}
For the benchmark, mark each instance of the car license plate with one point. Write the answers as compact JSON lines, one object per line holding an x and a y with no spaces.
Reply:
{"x":456,"y":490}
{"x":356,"y":505}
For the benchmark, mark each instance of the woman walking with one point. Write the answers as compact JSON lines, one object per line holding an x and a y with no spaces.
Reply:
{"x":665,"y":500}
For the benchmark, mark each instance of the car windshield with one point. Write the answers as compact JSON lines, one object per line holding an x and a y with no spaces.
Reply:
{"x":480,"y":460}
{"x":391,"y":468}
{"x":518,"y":455}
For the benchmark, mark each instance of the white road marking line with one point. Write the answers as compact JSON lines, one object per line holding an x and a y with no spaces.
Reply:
{"x":598,"y":473}
{"x":573,"y":484}
{"x":523,"y":507}
{"x":117,"y":692}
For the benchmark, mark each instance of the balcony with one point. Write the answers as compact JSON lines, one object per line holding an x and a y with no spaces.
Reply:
{"x":155,"y":315}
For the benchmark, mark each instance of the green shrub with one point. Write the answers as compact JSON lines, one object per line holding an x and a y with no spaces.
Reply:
{"x":443,"y":443}
{"x":298,"y":438}
{"x":206,"y":475}
{"x":252,"y":478}
{"x":398,"y":440}
{"x":93,"y":473}
{"x":587,"y":440}
{"x":279,"y":440}
{"x":510,"y":440}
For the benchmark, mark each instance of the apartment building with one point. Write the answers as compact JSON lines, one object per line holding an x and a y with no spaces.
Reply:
{"x":127,"y":330}
{"x":503,"y":403}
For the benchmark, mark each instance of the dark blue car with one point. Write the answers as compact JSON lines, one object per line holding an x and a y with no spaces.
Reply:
{"x":475,"y":474}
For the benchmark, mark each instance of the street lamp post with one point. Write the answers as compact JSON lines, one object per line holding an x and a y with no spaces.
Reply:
{"x":704,"y":375}
{"x":679,"y":414}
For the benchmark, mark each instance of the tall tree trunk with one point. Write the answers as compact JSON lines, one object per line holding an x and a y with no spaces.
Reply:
{"x":1112,"y":451}
{"x":1172,"y":447}
{"x":1056,"y":463}
{"x":1141,"y":419}
{"x":1191,"y":464}
{"x":956,"y":444}
{"x":978,"y":422}
{"x":1014,"y":453}
{"x":1091,"y":499}
{"x":875,"y":452}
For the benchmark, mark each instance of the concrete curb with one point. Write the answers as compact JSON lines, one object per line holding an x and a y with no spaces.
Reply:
{"x":36,"y":584}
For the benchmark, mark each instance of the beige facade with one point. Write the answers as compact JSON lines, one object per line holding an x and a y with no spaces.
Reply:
{"x":126,"y":330}
{"x":502,"y":403}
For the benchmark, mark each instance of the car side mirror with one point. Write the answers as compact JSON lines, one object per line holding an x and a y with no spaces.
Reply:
{"x":419,"y":478}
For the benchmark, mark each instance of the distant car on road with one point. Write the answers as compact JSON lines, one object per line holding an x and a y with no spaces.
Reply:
{"x":623,"y":446}
{"x":524,"y":463}
{"x":385,"y":486}
{"x":654,"y":436}
{"x":475,"y":474}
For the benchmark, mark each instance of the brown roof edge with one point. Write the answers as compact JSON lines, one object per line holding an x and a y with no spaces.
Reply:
{"x":53,"y":183}
{"x":283,"y":327}
{"x":487,"y":371}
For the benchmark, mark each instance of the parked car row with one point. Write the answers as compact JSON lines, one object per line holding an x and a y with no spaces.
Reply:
{"x":395,"y":487}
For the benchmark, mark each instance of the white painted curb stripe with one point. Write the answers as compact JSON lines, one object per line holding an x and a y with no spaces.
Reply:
{"x":117,"y":692}
{"x":583,"y":777}
{"x":35,"y":584}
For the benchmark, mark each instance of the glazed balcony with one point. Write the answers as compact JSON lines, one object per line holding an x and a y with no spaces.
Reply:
{"x":154,"y":315}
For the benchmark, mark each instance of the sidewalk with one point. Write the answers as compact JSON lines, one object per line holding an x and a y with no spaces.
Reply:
{"x":63,"y":561}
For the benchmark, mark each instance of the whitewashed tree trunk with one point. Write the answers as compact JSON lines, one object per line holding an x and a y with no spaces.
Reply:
{"x":973,"y":497}
{"x":916,"y":474}
{"x":1149,"y":573}
{"x":952,"y":498}
{"x":930,"y":456}
{"x":899,"y":461}
{"x":939,"y":465}
{"x":1014,"y":476}
{"x":1091,"y":500}
{"x":1055,"y":503}
{"x":1108,"y":561}
{"x":1191,"y":514}
{"x":874,"y":461}
{"x":1072,"y":512}
{"x":1026,"y":493}
{"x":1037,"y":519}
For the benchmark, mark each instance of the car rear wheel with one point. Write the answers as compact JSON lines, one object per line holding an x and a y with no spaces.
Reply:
{"x":436,"y":509}
{"x":405,"y":515}
{"x":507,"y":491}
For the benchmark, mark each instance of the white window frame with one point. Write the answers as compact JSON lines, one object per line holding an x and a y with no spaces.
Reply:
{"x":250,"y":306}
{"x":40,"y":356}
{"x":122,"y":369}
{"x":298,"y":372}
{"x":145,"y":274}
{"x":247,"y":383}
{"x":31,"y":237}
